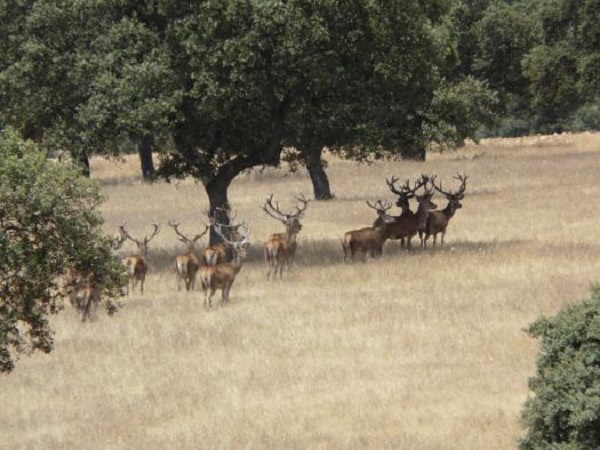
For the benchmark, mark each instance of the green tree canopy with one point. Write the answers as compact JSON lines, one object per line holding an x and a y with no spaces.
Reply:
{"x":49,"y":224}
{"x":226,"y":84}
{"x":564,"y":70}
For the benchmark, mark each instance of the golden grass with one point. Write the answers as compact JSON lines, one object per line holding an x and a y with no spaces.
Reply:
{"x":419,"y":351}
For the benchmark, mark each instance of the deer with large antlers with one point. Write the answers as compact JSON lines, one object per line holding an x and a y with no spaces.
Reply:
{"x":187,"y":264}
{"x":280,"y":248}
{"x":221,"y":252}
{"x":369,"y":240}
{"x":136,"y":264}
{"x":437,"y":222}
{"x":408,"y":223}
{"x":221,"y":276}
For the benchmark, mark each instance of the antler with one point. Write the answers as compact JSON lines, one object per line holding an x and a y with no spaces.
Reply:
{"x":126,"y":235}
{"x":300,"y":209}
{"x":183,"y":238}
{"x":405,"y":190}
{"x":463,"y":185}
{"x":458,"y":195}
{"x":380,"y":206}
{"x":391,"y":184}
{"x":245,"y":237}
{"x":156,"y":226}
{"x":273,"y":210}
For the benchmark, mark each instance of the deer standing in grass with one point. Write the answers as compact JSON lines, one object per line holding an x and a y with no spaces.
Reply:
{"x":137,"y":265}
{"x":406,"y":225}
{"x":368,"y":240}
{"x":82,"y":292}
{"x":221,"y":276}
{"x":81,"y":287}
{"x":221,"y":252}
{"x":280,"y":248}
{"x":187,"y":264}
{"x":437,"y":221}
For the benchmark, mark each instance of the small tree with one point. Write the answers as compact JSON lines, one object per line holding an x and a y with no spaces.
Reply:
{"x":49,"y":224}
{"x":564,"y":412}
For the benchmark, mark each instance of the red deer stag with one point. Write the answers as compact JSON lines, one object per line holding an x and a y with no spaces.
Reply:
{"x":368,"y":240}
{"x":280,"y":248}
{"x":406,"y":225}
{"x":437,"y":222}
{"x":221,"y":276}
{"x":136,"y":264}
{"x":186,"y":264}
{"x":221,"y":252}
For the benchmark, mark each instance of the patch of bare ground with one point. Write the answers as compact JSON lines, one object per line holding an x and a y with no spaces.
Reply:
{"x":420,"y":350}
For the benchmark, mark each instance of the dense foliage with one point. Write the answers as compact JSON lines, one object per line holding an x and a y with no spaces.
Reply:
{"x":564,"y":410}
{"x":224,"y":86}
{"x":49,"y":224}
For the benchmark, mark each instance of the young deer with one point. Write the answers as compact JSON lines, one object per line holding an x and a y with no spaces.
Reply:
{"x":437,"y":222}
{"x":136,"y":264}
{"x":186,"y":264}
{"x":368,"y":240}
{"x":406,"y":225}
{"x":221,"y":276}
{"x":280,"y":248}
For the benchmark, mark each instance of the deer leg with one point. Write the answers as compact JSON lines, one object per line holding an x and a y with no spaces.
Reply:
{"x":442,"y":239}
{"x":226,"y":295}
{"x":209,"y":295}
{"x":424,"y":243}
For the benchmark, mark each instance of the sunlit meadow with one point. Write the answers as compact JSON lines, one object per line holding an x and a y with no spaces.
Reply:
{"x":425,"y":350}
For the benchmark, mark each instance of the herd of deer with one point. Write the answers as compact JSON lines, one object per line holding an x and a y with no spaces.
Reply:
{"x":219,"y":264}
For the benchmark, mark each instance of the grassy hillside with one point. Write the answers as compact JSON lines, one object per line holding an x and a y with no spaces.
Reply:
{"x":423,"y":350}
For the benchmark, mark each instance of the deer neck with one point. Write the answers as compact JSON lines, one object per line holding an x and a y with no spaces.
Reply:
{"x":290,"y":236}
{"x":236,"y":263}
{"x":450,"y":209}
{"x":422,"y":214}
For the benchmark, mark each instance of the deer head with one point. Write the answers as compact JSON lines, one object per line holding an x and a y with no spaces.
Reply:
{"x":453,"y":197}
{"x":405,"y":192}
{"x":381,"y":207}
{"x":292,"y":219}
{"x":240,"y":243}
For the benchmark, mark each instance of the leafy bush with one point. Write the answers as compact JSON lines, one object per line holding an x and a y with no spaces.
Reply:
{"x":564,"y":410}
{"x":49,"y":225}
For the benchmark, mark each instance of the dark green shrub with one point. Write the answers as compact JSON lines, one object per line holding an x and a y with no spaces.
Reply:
{"x":564,"y":410}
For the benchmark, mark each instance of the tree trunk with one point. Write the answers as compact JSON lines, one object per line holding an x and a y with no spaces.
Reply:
{"x":84,"y":163}
{"x":145,"y":146}
{"x":318,"y":176}
{"x":217,"y":199}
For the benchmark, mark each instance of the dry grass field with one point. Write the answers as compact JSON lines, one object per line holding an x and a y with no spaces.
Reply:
{"x":412,"y":351}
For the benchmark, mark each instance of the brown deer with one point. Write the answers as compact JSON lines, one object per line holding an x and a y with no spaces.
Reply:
{"x":187,"y":264}
{"x":81,"y":289}
{"x":280,"y":248}
{"x":82,"y":292}
{"x":137,"y":264}
{"x":221,"y":252}
{"x":221,"y":276}
{"x":438,"y":220}
{"x":408,"y":223}
{"x":368,"y":240}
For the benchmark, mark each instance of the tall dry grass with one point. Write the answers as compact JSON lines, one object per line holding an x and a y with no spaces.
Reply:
{"x":413,"y":351}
